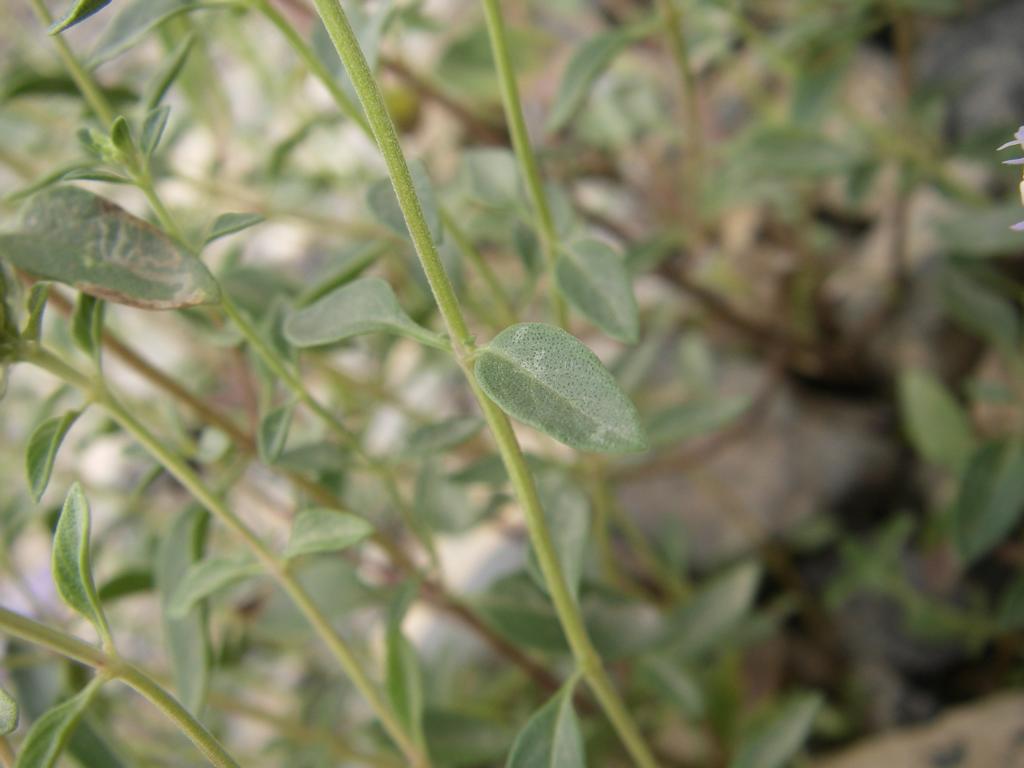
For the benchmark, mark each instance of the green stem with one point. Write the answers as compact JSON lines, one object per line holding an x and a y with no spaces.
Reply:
{"x":180,"y":470}
{"x":587,"y":658}
{"x":524,"y":151}
{"x":83,"y":81}
{"x":26,"y":629}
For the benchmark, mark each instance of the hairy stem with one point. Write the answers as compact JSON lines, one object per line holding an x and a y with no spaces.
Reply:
{"x":114,"y":668}
{"x":587,"y":658}
{"x":524,"y":152}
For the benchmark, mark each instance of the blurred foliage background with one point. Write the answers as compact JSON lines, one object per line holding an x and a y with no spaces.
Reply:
{"x":818,"y":559}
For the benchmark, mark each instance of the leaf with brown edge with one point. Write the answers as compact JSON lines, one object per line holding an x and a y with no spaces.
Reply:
{"x":83,"y":240}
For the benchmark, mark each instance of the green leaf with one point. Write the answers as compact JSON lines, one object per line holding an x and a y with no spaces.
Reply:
{"x":492,"y":176}
{"x":519,"y":611}
{"x":135,"y":20}
{"x":325,"y":530}
{"x":980,"y":309}
{"x":432,"y":439}
{"x":80,"y":11}
{"x":567,"y":511}
{"x":714,"y":612}
{"x":774,"y":742}
{"x":676,"y":684}
{"x":8,"y":713}
{"x":403,"y":678}
{"x":442,"y":504}
{"x":466,"y":740}
{"x":383,"y":203}
{"x":45,"y":740}
{"x":72,"y":566}
{"x":273,"y":432}
{"x":87,"y":324}
{"x":548,"y":379}
{"x":933,"y":420}
{"x":991,"y":498}
{"x":153,"y":129}
{"x":85,"y":241}
{"x":230,"y":223}
{"x":35,"y":306}
{"x":121,"y":137}
{"x":586,"y":65}
{"x":595,"y":281}
{"x":366,"y":305}
{"x":551,"y":738}
{"x":980,"y":232}
{"x":207,"y":577}
{"x":128,"y":582}
{"x":41,"y":452}
{"x":187,"y":638}
{"x":168,"y":73}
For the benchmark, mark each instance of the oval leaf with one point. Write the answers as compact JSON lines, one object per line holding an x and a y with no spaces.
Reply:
{"x":595,"y":281}
{"x":367,"y":305}
{"x":273,"y":432}
{"x":83,"y":240}
{"x":8,"y":713}
{"x":80,"y":11}
{"x":991,"y":498}
{"x":42,"y":449}
{"x":72,"y":566}
{"x":325,"y":530}
{"x":587,"y":63}
{"x":230,"y":223}
{"x":775,"y":741}
{"x":551,"y":738}
{"x":933,"y":420}
{"x":46,"y":738}
{"x":209,"y":576}
{"x":548,"y":379}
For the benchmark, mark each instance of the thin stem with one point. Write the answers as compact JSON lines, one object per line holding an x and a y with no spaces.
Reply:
{"x":6,"y":753}
{"x":587,"y":659}
{"x":70,"y":647}
{"x":501,"y":300}
{"x":83,"y":81}
{"x":524,"y":151}
{"x":694,"y":138}
{"x":180,"y":470}
{"x":313,"y":62}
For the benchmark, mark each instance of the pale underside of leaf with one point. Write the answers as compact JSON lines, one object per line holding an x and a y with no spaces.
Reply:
{"x":207,"y":577}
{"x":325,"y":530}
{"x":550,"y":380}
{"x":72,"y":568}
{"x":595,"y":281}
{"x":366,"y":305}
